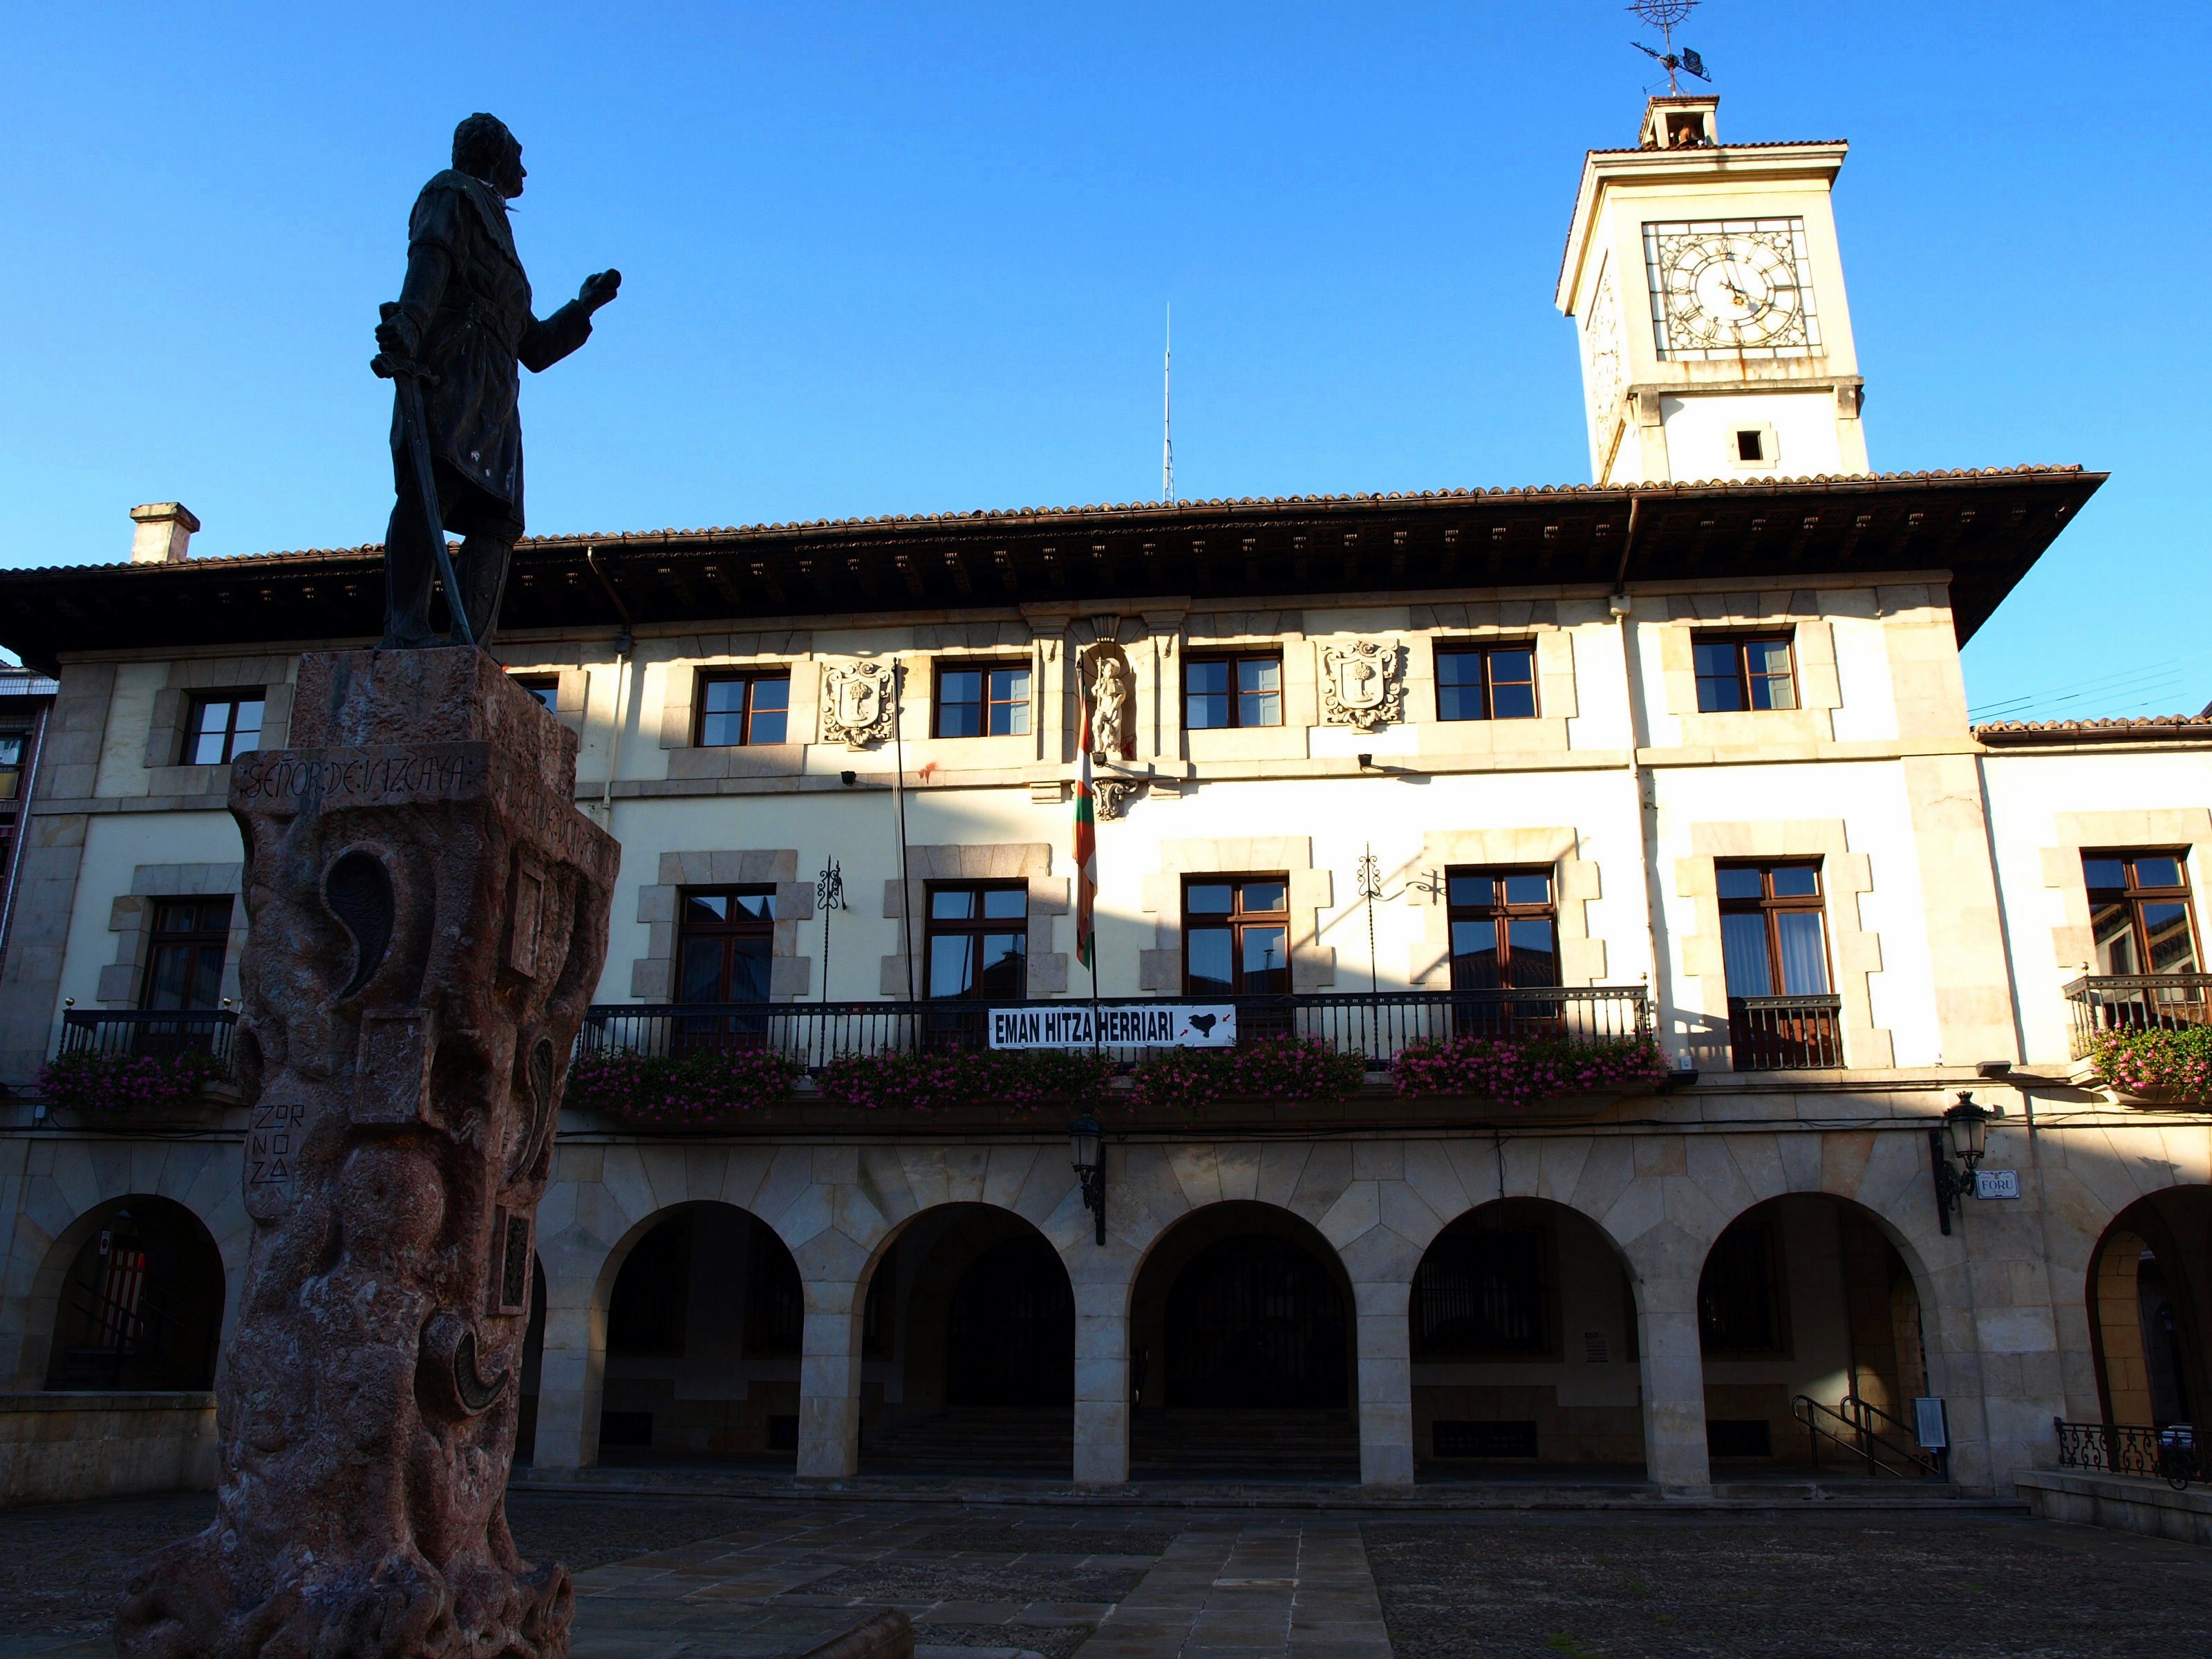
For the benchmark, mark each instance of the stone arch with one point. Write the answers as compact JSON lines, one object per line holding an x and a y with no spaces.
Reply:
{"x":2147,"y":1293}
{"x":135,"y":1291}
{"x":60,"y":1208}
{"x":1523,"y":1332}
{"x":1816,"y":1296}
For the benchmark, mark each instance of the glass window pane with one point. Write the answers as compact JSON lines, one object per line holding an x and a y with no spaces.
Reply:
{"x":1528,"y":890}
{"x":725,"y":696}
{"x":1265,"y":958}
{"x":1513,"y":703}
{"x":953,"y":903}
{"x":2113,"y":928}
{"x":748,"y":969}
{"x":169,"y":979}
{"x":706,"y":907}
{"x":1715,"y":658}
{"x":1802,"y":881}
{"x":771,"y":694}
{"x":1513,"y":684}
{"x":1210,"y":898}
{"x":1210,"y":959}
{"x":1533,"y":959}
{"x":949,"y":958}
{"x":1259,"y":689}
{"x":1006,"y":901}
{"x":1770,"y":686}
{"x":1719,"y":687}
{"x":1743,"y":954}
{"x":1263,"y":896}
{"x":1459,"y":668}
{"x":1004,"y":959}
{"x":2104,"y":872}
{"x":1259,"y":674}
{"x":1804,"y":958}
{"x":1738,"y":883}
{"x":1471,"y":890}
{"x":767,"y":725}
{"x":699,"y":974}
{"x":205,"y":748}
{"x":207,"y":977}
{"x":2158,"y":872}
{"x":721,"y":731}
{"x":2167,"y":928}
{"x":11,"y":764}
{"x":215,"y":916}
{"x":248,"y":737}
{"x":960,"y":703}
{"x":755,"y":906}
{"x":1459,"y":702}
{"x":1474,"y":955}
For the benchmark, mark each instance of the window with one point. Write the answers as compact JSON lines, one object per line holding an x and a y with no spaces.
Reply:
{"x":546,"y":688}
{"x":1738,"y":1309}
{"x":978,"y":939}
{"x":1750,"y":445}
{"x":1483,"y":1292}
{"x":1744,"y":673}
{"x":1773,"y":941}
{"x":987,"y":700}
{"x":2139,"y":912}
{"x":1236,"y":935}
{"x":183,"y":966}
{"x":1225,"y":691}
{"x":13,"y":747}
{"x":728,"y":939}
{"x":736,"y":709}
{"x":224,"y":726}
{"x":1505,"y":929}
{"x":1486,"y":683}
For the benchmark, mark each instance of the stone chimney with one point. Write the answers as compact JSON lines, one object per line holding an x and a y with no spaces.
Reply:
{"x":164,"y":533}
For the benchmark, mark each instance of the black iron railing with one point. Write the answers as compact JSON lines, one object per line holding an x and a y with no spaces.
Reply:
{"x":1866,"y":1434}
{"x":2137,"y":1002}
{"x":1785,"y":1034}
{"x":158,"y":1034}
{"x":1375,"y":1025}
{"x":2171,"y":1454}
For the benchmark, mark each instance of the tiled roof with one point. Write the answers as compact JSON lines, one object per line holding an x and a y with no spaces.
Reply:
{"x":2139,"y":728}
{"x":1763,"y":143}
{"x":1169,"y":509}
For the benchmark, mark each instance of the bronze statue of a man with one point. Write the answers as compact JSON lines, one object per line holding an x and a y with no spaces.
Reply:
{"x":462,"y":323}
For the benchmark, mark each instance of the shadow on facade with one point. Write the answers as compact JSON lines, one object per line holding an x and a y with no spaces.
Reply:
{"x":703,"y":1333}
{"x":140,"y":1307}
{"x":968,"y":1350}
{"x":1241,"y":1344}
{"x":1524,"y":1351}
{"x":2150,"y":1310}
{"x":1809,"y":1321}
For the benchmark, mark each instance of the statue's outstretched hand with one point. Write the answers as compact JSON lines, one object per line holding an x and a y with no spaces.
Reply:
{"x":397,"y":335}
{"x":600,"y":289}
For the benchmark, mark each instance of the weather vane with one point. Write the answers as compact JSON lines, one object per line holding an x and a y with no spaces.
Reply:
{"x":1664,"y":15}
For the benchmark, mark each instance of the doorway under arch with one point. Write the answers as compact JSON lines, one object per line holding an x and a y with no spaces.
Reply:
{"x":141,"y":1306}
{"x":968,"y":1345}
{"x":1810,"y":1326}
{"x":1523,"y":1339}
{"x":704,"y":1323}
{"x":1242,"y":1362}
{"x":2149,"y":1295}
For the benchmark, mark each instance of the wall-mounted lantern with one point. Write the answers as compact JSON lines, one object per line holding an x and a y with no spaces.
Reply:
{"x":1086,"y":1151}
{"x":1964,"y":1134}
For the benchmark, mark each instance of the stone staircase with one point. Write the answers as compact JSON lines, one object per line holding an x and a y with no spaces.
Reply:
{"x":974,"y":1440}
{"x":1197,"y":1445}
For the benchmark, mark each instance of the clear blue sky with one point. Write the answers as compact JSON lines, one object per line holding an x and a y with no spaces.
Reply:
{"x":899,"y":258}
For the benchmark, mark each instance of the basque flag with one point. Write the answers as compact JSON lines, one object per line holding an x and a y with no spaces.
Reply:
{"x":1086,"y":853}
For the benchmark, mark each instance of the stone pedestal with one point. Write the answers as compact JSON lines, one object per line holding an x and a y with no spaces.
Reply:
{"x":428,"y":916}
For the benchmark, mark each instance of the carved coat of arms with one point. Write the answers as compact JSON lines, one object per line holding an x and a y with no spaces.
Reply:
{"x":856,"y":703}
{"x":1360,"y":684}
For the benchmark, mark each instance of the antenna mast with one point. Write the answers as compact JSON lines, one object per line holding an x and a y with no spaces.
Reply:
{"x":1167,"y":412}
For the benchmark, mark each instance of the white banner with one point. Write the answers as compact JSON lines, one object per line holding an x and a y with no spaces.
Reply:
{"x":1117,"y":1025}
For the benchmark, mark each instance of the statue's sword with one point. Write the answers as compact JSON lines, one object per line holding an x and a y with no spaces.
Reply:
{"x":407,"y":377}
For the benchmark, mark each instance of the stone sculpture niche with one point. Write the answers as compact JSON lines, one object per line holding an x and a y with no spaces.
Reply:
{"x":428,"y":916}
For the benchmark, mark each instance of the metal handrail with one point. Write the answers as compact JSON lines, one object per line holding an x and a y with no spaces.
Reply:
{"x":161,"y":1033}
{"x":1864,"y":1425}
{"x":1786,"y":1034}
{"x":2170,"y":1453}
{"x":2136,"y":1002}
{"x":1378,"y":1025}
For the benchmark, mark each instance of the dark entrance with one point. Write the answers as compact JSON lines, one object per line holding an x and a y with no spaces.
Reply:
{"x":1009,"y":1330}
{"x":142,"y":1308}
{"x":1255,"y":1321}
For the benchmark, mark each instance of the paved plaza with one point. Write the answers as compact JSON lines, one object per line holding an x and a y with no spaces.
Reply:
{"x":672,"y":1577}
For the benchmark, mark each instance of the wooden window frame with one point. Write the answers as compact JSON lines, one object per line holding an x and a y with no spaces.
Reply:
{"x":1484,"y":650}
{"x":538,"y":685}
{"x":1740,"y":641}
{"x":746,"y":713}
{"x":976,"y":929}
{"x":1501,"y":910}
{"x":1236,"y":918}
{"x":1768,"y":907}
{"x":201,"y":701}
{"x":985,"y":666}
{"x":2135,"y":895}
{"x":748,"y":926}
{"x":1272,"y":655}
{"x":197,"y":940}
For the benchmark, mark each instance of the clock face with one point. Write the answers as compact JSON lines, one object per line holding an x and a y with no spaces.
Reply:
{"x":1730,"y":288}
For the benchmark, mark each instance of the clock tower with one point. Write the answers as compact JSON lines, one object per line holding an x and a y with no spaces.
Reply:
{"x":1707,"y":293}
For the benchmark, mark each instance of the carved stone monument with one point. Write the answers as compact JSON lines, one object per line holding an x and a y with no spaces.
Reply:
{"x":428,"y":916}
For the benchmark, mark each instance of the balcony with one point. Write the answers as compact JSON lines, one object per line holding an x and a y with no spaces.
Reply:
{"x":2104,"y":1003}
{"x":150,"y":1034}
{"x":1785,"y":1034}
{"x":1376,"y":1026}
